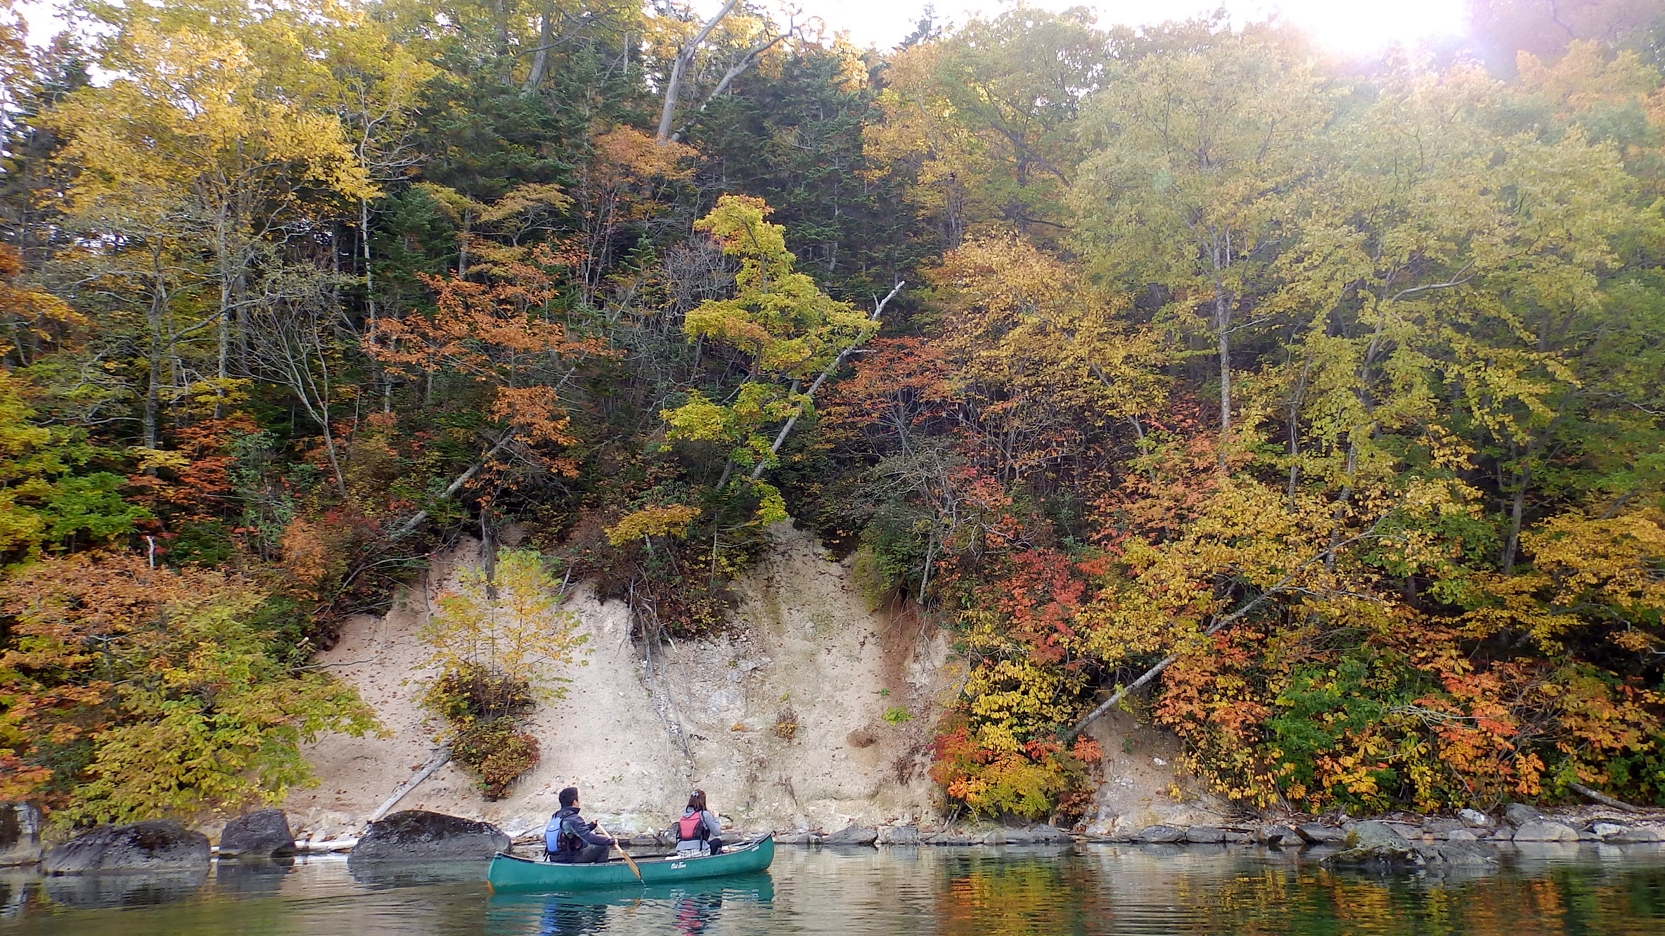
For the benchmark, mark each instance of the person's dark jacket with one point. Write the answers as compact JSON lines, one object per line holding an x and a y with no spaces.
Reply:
{"x":569,"y":821}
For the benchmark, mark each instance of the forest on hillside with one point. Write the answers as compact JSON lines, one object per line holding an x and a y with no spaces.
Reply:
{"x":1310,"y":409}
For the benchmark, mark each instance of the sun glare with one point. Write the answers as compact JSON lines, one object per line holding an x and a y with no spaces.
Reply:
{"x":1347,"y":27}
{"x":1366,"y":26}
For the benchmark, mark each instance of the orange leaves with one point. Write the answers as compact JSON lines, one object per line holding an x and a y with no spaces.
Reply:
{"x":508,"y":336}
{"x":897,"y":386}
{"x":306,"y":554}
{"x":538,"y":413}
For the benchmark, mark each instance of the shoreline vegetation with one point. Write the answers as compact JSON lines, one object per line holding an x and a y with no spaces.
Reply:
{"x":1032,"y":420}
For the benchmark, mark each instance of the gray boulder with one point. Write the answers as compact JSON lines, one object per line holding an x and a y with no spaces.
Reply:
{"x":853,"y":835}
{"x":1376,"y":844}
{"x":1159,"y":835}
{"x":1205,"y":835}
{"x":260,"y":834}
{"x":948,"y":838}
{"x":1545,"y":830}
{"x":1458,"y":854}
{"x":1519,"y":814}
{"x":418,"y":835}
{"x":1474,"y":818}
{"x":162,"y":845}
{"x":1278,"y":835}
{"x":1315,"y":833}
{"x":899,"y":835}
{"x":797,"y":837}
{"x":1042,"y":835}
{"x":1637,"y":835}
{"x":1461,"y":835}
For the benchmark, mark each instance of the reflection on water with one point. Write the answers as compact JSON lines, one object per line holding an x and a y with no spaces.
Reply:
{"x":92,"y":891}
{"x":1091,"y":891}
{"x":689,"y":908}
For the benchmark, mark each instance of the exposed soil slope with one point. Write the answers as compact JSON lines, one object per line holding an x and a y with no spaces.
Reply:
{"x":803,"y":651}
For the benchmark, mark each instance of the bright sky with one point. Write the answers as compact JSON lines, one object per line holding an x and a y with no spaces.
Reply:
{"x":1348,"y":27}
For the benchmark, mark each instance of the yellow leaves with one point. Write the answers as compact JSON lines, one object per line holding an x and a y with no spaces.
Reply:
{"x":529,"y":199}
{"x":771,"y":507}
{"x":149,"y":458}
{"x":698,"y":420}
{"x":41,"y":316}
{"x":777,"y":316}
{"x":1586,"y":572}
{"x":737,"y":222}
{"x":636,"y":156}
{"x":658,"y":520}
{"x":509,"y":623}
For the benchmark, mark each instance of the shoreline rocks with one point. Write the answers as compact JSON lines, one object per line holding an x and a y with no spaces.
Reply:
{"x":418,"y":835}
{"x":1468,"y":838}
{"x":262,"y":834}
{"x":162,"y":845}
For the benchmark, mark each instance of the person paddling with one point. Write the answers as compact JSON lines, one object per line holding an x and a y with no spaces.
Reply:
{"x":569,"y":839}
{"x":698,"y":828}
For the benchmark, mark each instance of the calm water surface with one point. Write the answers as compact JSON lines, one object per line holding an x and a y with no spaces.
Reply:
{"x":1089,"y":890}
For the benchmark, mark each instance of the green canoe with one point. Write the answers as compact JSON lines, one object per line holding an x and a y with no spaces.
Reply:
{"x":509,"y":873}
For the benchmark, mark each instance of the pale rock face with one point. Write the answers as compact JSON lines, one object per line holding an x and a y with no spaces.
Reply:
{"x":636,"y":738}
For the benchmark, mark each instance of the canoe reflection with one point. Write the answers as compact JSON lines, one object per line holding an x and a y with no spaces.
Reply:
{"x":690,"y":909}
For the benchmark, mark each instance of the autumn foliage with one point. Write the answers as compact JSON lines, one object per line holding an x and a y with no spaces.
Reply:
{"x":1311,"y":413}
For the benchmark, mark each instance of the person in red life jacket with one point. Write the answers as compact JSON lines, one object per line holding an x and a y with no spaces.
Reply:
{"x":699,"y":828}
{"x":569,"y":839}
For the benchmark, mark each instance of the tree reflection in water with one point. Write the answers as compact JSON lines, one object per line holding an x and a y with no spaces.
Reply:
{"x":1164,"y":893}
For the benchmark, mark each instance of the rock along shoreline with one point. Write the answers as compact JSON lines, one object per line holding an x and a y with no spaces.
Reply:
{"x":1392,"y":843}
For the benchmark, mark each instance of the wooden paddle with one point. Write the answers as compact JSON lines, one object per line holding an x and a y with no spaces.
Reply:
{"x":626,"y":855}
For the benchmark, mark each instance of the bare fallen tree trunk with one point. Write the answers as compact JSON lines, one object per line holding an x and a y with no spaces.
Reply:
{"x":1596,"y":796}
{"x":1284,"y":584}
{"x":409,"y":526}
{"x":439,"y":760}
{"x":832,"y":368}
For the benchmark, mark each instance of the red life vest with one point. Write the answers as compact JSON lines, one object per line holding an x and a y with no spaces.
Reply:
{"x":689,"y":828}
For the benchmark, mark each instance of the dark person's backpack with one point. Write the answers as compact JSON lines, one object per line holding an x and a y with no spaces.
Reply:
{"x":567,"y":840}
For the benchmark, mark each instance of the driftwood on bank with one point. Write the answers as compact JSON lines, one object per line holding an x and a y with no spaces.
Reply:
{"x":1596,"y":796}
{"x":439,"y":760}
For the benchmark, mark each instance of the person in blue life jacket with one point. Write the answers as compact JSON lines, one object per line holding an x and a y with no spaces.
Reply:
{"x":569,"y":839}
{"x":699,"y":829}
